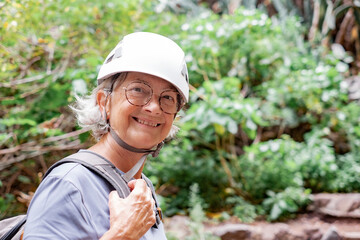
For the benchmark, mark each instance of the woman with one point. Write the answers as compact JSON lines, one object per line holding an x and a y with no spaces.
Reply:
{"x":142,"y":85}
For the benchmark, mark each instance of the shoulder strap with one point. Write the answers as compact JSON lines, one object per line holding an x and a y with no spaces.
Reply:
{"x":107,"y":170}
{"x":157,"y":209}
{"x":15,"y":229}
{"x":100,"y":166}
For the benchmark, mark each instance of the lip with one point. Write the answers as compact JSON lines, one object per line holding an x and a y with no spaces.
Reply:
{"x":147,"y":122}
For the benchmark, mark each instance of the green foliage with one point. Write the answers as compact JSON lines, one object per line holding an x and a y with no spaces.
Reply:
{"x":197,"y":217}
{"x":347,"y":179}
{"x":277,"y":164}
{"x":223,"y":109}
{"x":268,"y":119}
{"x":49,"y":52}
{"x":6,"y":203}
{"x":265,"y":114}
{"x":242,"y":209}
{"x":268,"y":166}
{"x":175,"y":167}
{"x":47,"y":48}
{"x":286,"y":203}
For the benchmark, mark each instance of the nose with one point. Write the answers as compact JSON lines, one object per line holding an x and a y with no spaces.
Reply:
{"x":153,"y":105}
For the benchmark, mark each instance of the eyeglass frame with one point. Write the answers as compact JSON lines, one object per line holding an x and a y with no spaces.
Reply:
{"x":180,"y":99}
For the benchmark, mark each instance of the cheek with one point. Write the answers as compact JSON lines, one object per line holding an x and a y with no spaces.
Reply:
{"x":169,"y":123}
{"x":120,"y":109}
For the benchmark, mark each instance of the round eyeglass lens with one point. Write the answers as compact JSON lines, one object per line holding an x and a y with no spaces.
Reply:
{"x":138,"y":93}
{"x":169,"y":101}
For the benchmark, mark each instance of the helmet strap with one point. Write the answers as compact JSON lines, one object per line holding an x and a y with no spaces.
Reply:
{"x":154,"y":152}
{"x":119,"y":141}
{"x":131,"y":173}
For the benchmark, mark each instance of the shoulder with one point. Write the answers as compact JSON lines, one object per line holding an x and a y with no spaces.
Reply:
{"x":77,"y":175}
{"x":71,"y":199}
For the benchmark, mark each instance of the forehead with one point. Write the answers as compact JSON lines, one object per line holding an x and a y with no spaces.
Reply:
{"x":153,"y":81}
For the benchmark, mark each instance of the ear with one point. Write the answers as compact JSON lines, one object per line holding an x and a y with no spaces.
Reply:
{"x":102,"y":100}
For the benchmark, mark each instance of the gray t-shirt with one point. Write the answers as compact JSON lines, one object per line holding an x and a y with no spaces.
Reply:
{"x":72,"y":203}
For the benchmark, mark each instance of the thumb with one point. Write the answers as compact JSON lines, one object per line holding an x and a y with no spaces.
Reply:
{"x":113,"y":197}
{"x":132,"y":184}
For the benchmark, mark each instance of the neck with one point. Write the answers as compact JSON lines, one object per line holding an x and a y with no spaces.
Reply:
{"x":122,"y":159}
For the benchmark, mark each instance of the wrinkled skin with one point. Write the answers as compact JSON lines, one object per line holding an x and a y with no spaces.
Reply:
{"x":132,"y":217}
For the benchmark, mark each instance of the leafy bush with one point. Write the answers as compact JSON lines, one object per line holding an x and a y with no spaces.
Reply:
{"x":268,"y":115}
{"x":197,"y":216}
{"x":179,"y":167}
{"x":242,"y":209}
{"x":267,"y":112}
{"x":347,"y":179}
{"x":49,"y":51}
{"x":286,"y":203}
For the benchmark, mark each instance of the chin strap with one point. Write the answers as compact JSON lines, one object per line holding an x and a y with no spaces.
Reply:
{"x":154,"y":152}
{"x":118,"y":140}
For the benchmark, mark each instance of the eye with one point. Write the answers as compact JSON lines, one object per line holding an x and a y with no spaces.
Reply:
{"x":138,"y":90}
{"x":169,"y":98}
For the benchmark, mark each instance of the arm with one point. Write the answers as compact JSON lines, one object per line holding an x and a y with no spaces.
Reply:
{"x":57,"y":212}
{"x":132,"y":217}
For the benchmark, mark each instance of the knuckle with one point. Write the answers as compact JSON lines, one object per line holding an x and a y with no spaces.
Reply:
{"x":152,"y":219}
{"x":141,"y":181}
{"x":148,"y":204}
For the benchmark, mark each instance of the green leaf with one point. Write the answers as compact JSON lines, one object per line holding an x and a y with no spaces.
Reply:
{"x":15,"y":121}
{"x":24,"y":179}
{"x":275,"y":212}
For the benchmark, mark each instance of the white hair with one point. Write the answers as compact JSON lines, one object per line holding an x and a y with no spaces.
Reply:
{"x":88,"y":113}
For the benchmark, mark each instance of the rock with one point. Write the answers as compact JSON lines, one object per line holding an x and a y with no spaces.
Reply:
{"x":337,"y":205}
{"x":353,"y":87}
{"x":312,"y":234}
{"x":287,"y":234}
{"x":334,"y":216}
{"x":331,"y":234}
{"x":351,"y":236}
{"x":177,"y":226}
{"x":233,"y":232}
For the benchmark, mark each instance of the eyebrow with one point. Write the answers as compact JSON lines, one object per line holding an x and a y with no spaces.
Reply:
{"x":170,"y":86}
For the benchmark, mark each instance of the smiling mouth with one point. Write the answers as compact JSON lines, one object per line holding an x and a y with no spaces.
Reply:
{"x":146,"y":123}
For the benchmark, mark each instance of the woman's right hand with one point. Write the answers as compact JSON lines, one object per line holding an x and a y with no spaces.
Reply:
{"x":132,"y":217}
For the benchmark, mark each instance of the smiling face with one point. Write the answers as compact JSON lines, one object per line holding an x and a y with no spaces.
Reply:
{"x":140,"y":126}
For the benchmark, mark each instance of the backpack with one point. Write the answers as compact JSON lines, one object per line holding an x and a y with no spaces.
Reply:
{"x":13,"y":228}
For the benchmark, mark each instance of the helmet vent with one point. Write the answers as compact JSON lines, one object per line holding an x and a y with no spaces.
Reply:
{"x":118,"y":52}
{"x":109,"y":59}
{"x":184,"y":73}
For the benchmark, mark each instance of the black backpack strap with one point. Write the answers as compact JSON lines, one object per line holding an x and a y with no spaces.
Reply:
{"x":98,"y":165}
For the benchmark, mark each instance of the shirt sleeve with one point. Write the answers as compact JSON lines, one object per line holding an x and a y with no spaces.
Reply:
{"x":57,"y":212}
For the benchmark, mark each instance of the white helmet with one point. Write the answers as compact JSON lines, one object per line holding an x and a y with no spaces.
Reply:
{"x":148,"y":53}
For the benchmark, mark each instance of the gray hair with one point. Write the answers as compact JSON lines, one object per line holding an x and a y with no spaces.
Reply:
{"x":88,"y":113}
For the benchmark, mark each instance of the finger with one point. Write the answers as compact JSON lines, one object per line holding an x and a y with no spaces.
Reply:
{"x":113,"y":195}
{"x":153,"y":203}
{"x":131,"y":184}
{"x":138,"y":186}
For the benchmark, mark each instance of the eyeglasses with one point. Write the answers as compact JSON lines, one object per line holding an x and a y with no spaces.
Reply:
{"x":140,"y":93}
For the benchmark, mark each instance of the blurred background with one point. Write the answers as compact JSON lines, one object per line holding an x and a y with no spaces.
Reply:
{"x":273,"y":119}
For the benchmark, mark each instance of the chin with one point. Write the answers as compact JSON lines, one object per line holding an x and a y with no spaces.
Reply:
{"x":144,"y":143}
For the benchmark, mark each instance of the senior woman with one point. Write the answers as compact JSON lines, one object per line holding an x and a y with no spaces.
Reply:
{"x":142,"y":85}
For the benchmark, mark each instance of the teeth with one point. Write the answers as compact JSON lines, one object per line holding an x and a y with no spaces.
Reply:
{"x":147,"y":123}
